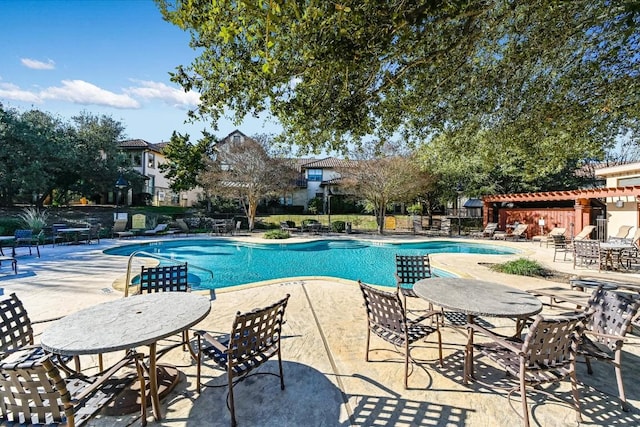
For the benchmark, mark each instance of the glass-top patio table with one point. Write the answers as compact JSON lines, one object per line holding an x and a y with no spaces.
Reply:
{"x":478,"y":298}
{"x":126,"y":323}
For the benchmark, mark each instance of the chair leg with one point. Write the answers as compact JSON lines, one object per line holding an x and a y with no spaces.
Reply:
{"x":366,"y":354}
{"x":232,"y":408}
{"x":198,"y":357}
{"x":280,"y":366}
{"x":143,"y":387}
{"x":575,"y":393}
{"x":523,"y":392}
{"x":617,"y":365}
{"x":587,"y":360}
{"x":406,"y":364}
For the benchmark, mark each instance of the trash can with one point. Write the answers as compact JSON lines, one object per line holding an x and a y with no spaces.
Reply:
{"x":347,"y":228}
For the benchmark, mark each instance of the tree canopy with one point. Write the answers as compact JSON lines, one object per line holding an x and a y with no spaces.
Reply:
{"x":543,"y":82}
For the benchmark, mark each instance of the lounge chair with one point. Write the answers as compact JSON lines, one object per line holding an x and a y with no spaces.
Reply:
{"x":516,"y":234}
{"x":159,"y":229}
{"x":488,"y":230}
{"x":622,"y":234}
{"x":285,"y":226}
{"x":120,"y":229}
{"x":548,"y":238}
{"x":585,"y":233}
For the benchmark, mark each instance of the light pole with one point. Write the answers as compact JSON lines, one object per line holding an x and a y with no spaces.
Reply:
{"x":120,"y":185}
{"x":459,"y":194}
{"x":329,"y":206}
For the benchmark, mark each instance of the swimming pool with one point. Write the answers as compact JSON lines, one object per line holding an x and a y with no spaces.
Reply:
{"x":234,"y":263}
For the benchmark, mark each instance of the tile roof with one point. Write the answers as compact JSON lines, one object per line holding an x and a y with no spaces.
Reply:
{"x":326,"y":163}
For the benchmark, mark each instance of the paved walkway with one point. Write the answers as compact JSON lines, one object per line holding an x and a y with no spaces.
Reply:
{"x":328,"y":383}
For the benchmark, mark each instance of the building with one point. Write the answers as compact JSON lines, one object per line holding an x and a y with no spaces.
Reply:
{"x":146,"y":159}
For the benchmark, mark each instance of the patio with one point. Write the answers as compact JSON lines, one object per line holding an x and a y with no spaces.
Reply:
{"x":327,"y":380}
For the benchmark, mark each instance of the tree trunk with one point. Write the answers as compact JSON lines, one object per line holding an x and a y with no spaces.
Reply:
{"x":381,"y":212}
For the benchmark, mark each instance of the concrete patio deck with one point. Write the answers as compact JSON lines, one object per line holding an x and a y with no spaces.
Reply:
{"x":328,"y":383}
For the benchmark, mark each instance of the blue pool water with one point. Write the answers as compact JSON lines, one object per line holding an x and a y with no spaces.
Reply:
{"x":235,"y":263}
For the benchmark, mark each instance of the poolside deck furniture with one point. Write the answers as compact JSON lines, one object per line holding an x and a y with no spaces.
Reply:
{"x":547,"y":354}
{"x":285,"y":226}
{"x":487,"y":232}
{"x":12,"y":260}
{"x":158,"y":229}
{"x":183,"y":226}
{"x":410,"y":269}
{"x":622,"y":234}
{"x":606,"y":329}
{"x":517,"y":233}
{"x":584,"y":233}
{"x":32,"y":389}
{"x":387,"y":319}
{"x":548,"y":238}
{"x":120,"y":229}
{"x":25,"y":238}
{"x":587,"y":253}
{"x":254,"y":339}
{"x":560,"y":245}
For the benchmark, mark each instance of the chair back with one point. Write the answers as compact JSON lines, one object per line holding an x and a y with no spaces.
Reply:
{"x":15,"y":326}
{"x":520,"y":229}
{"x":23,"y":235}
{"x":623,"y":232}
{"x":255,"y":335}
{"x":491,"y":227}
{"x":183,"y":225}
{"x":34,"y":392}
{"x":411,"y":268}
{"x":119,"y":225}
{"x":173,"y":278}
{"x":385,"y":313}
{"x":558,"y":231}
{"x":612,"y":313}
{"x":585,"y":233}
{"x":587,"y":249}
{"x":559,"y":241}
{"x":552,"y":343}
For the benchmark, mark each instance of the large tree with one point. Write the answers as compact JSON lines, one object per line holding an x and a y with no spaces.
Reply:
{"x":541,"y":80}
{"x":385,"y":178}
{"x":244,"y":171}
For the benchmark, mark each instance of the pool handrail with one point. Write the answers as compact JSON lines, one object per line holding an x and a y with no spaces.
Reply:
{"x":127,"y":282}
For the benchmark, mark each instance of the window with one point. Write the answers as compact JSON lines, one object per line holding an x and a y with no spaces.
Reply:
{"x":136,"y":159}
{"x":628,"y":182}
{"x":151,"y":160}
{"x":314,"y":174}
{"x":236,"y":138}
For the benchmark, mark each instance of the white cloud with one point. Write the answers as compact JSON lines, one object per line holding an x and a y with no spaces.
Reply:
{"x":38,"y":65}
{"x":171,"y":95}
{"x":13,"y":92}
{"x":81,"y":92}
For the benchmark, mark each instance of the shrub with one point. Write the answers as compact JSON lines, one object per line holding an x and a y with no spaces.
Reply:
{"x":521,"y":267}
{"x":338,"y":226}
{"x":34,"y":218}
{"x":276,"y":234}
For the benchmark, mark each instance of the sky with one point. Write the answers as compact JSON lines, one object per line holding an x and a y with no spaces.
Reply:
{"x":110,"y":57}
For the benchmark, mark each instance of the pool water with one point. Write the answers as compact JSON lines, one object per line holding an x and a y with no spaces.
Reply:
{"x":234,"y":263}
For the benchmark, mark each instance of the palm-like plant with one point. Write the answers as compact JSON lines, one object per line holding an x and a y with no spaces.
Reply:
{"x":34,"y":218}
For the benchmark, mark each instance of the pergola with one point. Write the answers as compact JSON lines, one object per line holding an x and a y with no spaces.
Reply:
{"x":581,"y":198}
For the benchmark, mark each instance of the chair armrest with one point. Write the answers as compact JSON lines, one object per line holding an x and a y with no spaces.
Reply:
{"x":607,"y":336}
{"x":212,"y":340}
{"x":494,"y":337}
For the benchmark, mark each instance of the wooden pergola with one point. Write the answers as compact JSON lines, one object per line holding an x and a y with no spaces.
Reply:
{"x":581,"y":198}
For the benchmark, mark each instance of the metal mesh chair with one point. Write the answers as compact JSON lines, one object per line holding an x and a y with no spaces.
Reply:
{"x":387,"y":319}
{"x":173,"y":278}
{"x":410,"y":269}
{"x":548,"y":354}
{"x":26,"y":238}
{"x":32,"y":390}
{"x":254,"y":339}
{"x":612,"y":313}
{"x":587,"y":252}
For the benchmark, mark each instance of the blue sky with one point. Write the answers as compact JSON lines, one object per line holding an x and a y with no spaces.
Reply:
{"x":108,"y":57}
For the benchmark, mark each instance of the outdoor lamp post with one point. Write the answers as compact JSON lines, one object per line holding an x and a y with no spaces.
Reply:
{"x":329,"y":194}
{"x":120,"y":185}
{"x":459,"y":195}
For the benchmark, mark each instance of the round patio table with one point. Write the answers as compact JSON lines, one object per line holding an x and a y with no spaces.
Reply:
{"x":126,"y":323}
{"x":478,"y":298}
